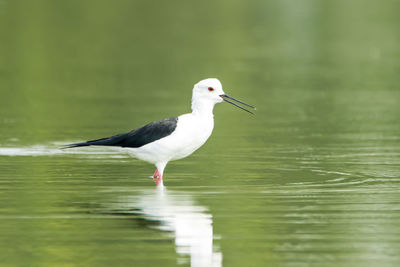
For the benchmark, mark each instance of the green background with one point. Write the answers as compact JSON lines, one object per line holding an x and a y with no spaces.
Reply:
{"x":311,"y":180}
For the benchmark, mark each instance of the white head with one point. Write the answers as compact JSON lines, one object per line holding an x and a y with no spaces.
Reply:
{"x":208,"y":90}
{"x":207,"y":93}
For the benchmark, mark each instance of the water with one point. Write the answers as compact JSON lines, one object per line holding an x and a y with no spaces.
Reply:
{"x":311,"y":180}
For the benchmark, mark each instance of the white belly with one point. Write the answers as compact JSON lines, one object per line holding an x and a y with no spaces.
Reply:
{"x":191,"y":133}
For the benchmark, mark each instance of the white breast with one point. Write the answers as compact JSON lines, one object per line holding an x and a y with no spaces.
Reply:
{"x":191,"y":132}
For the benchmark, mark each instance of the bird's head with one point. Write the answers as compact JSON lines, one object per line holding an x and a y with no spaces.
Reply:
{"x":208,"y":92}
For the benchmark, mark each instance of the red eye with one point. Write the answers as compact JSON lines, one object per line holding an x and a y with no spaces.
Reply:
{"x":210,"y":89}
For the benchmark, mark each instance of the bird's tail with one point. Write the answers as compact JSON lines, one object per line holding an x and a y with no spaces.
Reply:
{"x":108,"y":141}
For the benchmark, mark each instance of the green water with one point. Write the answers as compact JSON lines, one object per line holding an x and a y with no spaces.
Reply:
{"x":312,"y":180}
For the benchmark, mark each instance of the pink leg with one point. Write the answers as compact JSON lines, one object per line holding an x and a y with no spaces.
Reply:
{"x":157,"y":177}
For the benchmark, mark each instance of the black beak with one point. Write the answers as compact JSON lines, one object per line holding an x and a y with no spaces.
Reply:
{"x":226,"y":97}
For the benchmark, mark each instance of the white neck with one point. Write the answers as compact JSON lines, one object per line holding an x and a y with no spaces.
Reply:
{"x":202,"y":107}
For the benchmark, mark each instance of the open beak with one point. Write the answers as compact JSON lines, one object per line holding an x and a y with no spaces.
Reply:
{"x":226,"y":97}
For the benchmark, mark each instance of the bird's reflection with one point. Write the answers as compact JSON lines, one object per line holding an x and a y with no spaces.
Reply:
{"x":177,"y":213}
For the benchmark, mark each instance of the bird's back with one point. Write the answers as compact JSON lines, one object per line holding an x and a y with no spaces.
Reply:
{"x":136,"y":138}
{"x":191,"y":132}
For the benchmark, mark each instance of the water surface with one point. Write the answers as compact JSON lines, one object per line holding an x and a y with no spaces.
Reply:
{"x":311,"y":180}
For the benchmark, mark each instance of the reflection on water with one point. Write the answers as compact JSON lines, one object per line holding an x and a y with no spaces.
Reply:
{"x":177,"y":213}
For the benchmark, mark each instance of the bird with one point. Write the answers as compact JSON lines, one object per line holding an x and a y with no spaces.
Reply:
{"x":173,"y":138}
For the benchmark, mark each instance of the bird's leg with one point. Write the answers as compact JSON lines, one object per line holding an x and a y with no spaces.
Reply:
{"x":157,"y":177}
{"x":159,"y":180}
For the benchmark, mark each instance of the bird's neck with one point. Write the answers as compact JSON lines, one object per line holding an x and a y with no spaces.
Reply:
{"x":202,"y":108}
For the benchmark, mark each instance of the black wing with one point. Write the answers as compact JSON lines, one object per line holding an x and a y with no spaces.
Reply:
{"x":135,"y":138}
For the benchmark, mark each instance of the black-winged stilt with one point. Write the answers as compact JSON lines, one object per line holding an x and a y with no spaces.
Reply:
{"x":173,"y":138}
